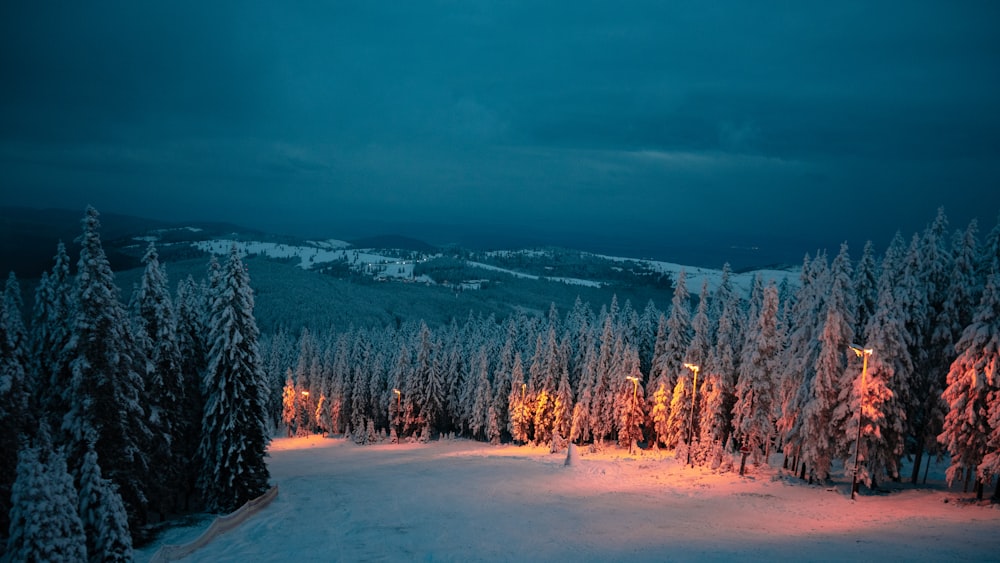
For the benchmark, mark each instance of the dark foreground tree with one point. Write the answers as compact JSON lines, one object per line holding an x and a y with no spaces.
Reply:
{"x":234,"y":427}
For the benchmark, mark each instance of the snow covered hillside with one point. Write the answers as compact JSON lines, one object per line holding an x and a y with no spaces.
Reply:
{"x":456,"y":500}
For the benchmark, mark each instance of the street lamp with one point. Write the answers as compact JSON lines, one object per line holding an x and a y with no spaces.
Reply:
{"x":399,"y":412}
{"x":694,"y":392}
{"x":861,"y":353}
{"x":635,"y":398}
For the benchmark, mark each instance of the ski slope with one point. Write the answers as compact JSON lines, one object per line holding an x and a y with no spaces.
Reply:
{"x":456,"y":500}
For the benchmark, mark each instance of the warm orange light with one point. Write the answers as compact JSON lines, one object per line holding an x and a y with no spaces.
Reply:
{"x":305,"y":393}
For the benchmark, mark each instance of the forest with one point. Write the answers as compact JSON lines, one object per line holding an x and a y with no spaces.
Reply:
{"x":862,"y":362}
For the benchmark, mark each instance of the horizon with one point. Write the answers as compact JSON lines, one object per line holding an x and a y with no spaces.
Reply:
{"x":652,"y":127}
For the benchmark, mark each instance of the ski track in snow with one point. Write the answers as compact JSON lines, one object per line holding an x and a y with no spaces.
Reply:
{"x":457,"y":500}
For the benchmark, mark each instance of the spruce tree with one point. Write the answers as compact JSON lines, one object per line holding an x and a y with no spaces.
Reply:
{"x":971,"y":381}
{"x":889,"y":371}
{"x":164,"y":384}
{"x":102,"y":513}
{"x":107,"y":393}
{"x":755,"y":391}
{"x":45,"y":525}
{"x":821,"y":432}
{"x":234,"y":426}
{"x":13,"y":419}
{"x":53,"y":314}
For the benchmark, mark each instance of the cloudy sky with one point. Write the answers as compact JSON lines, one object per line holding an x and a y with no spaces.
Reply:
{"x":649,"y":126}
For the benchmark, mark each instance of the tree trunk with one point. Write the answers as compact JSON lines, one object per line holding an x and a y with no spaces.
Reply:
{"x":802,"y":472}
{"x":979,"y":489}
{"x":917,"y":459}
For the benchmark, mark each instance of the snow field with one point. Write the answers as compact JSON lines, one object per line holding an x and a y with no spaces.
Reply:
{"x":457,"y":500}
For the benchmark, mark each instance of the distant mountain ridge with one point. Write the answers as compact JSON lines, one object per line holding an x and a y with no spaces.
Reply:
{"x":395,"y":242}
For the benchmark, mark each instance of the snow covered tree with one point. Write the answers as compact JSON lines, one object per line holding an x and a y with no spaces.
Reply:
{"x":820,"y":433}
{"x":601,"y":405}
{"x":45,"y":525}
{"x":724,"y":364}
{"x":164,"y":385}
{"x":865,"y":287}
{"x":517,"y":403}
{"x":934,"y":339}
{"x":752,"y":416}
{"x":632,"y":398}
{"x":678,"y":332}
{"x":106,"y":390}
{"x":288,"y":410}
{"x":13,"y":419}
{"x":191,"y":306}
{"x":234,"y":426}
{"x":973,"y":377}
{"x":800,"y":355}
{"x":102,"y":513}
{"x":678,"y":416}
{"x":53,"y":313}
{"x":13,"y":320}
{"x":581,"y":426}
{"x":883,"y":416}
{"x":483,"y":397}
{"x":659,"y":415}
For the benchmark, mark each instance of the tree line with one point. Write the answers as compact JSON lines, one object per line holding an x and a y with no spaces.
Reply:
{"x":114,"y":416}
{"x":771,"y":370}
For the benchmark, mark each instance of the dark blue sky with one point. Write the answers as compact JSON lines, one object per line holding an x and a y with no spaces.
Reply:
{"x":645,"y":126}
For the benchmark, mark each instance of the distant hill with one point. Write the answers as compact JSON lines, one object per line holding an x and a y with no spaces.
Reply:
{"x":28,"y":237}
{"x":395,"y":242}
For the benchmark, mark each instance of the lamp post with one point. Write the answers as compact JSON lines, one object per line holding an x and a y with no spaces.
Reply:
{"x":694,"y":393}
{"x":399,"y":412}
{"x":861,"y":353}
{"x":635,"y":397}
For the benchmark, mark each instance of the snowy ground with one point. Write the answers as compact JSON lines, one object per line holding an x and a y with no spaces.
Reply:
{"x":466,"y":501}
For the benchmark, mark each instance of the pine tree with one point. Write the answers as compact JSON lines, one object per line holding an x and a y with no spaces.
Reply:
{"x":601,"y":411}
{"x":581,"y":426}
{"x":164,"y":384}
{"x":517,"y":407}
{"x":632,"y":397}
{"x":483,"y":397}
{"x":678,"y":332}
{"x":190,"y":304}
{"x":106,"y":391}
{"x":866,"y":287}
{"x":676,"y":425}
{"x":13,"y":417}
{"x":44,"y":524}
{"x":821,"y":432}
{"x":234,"y":426}
{"x":889,"y":368}
{"x":971,"y":380}
{"x":801,"y":352}
{"x":288,"y":410}
{"x":725,"y":365}
{"x":659,"y":415}
{"x":13,"y":304}
{"x":53,"y":314}
{"x":102,"y":513}
{"x":755,"y":392}
{"x":935,"y":339}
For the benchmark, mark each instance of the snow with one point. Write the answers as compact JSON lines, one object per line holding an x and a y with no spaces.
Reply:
{"x":457,"y":500}
{"x":695,"y":275}
{"x":309,"y":256}
{"x":522,"y":275}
